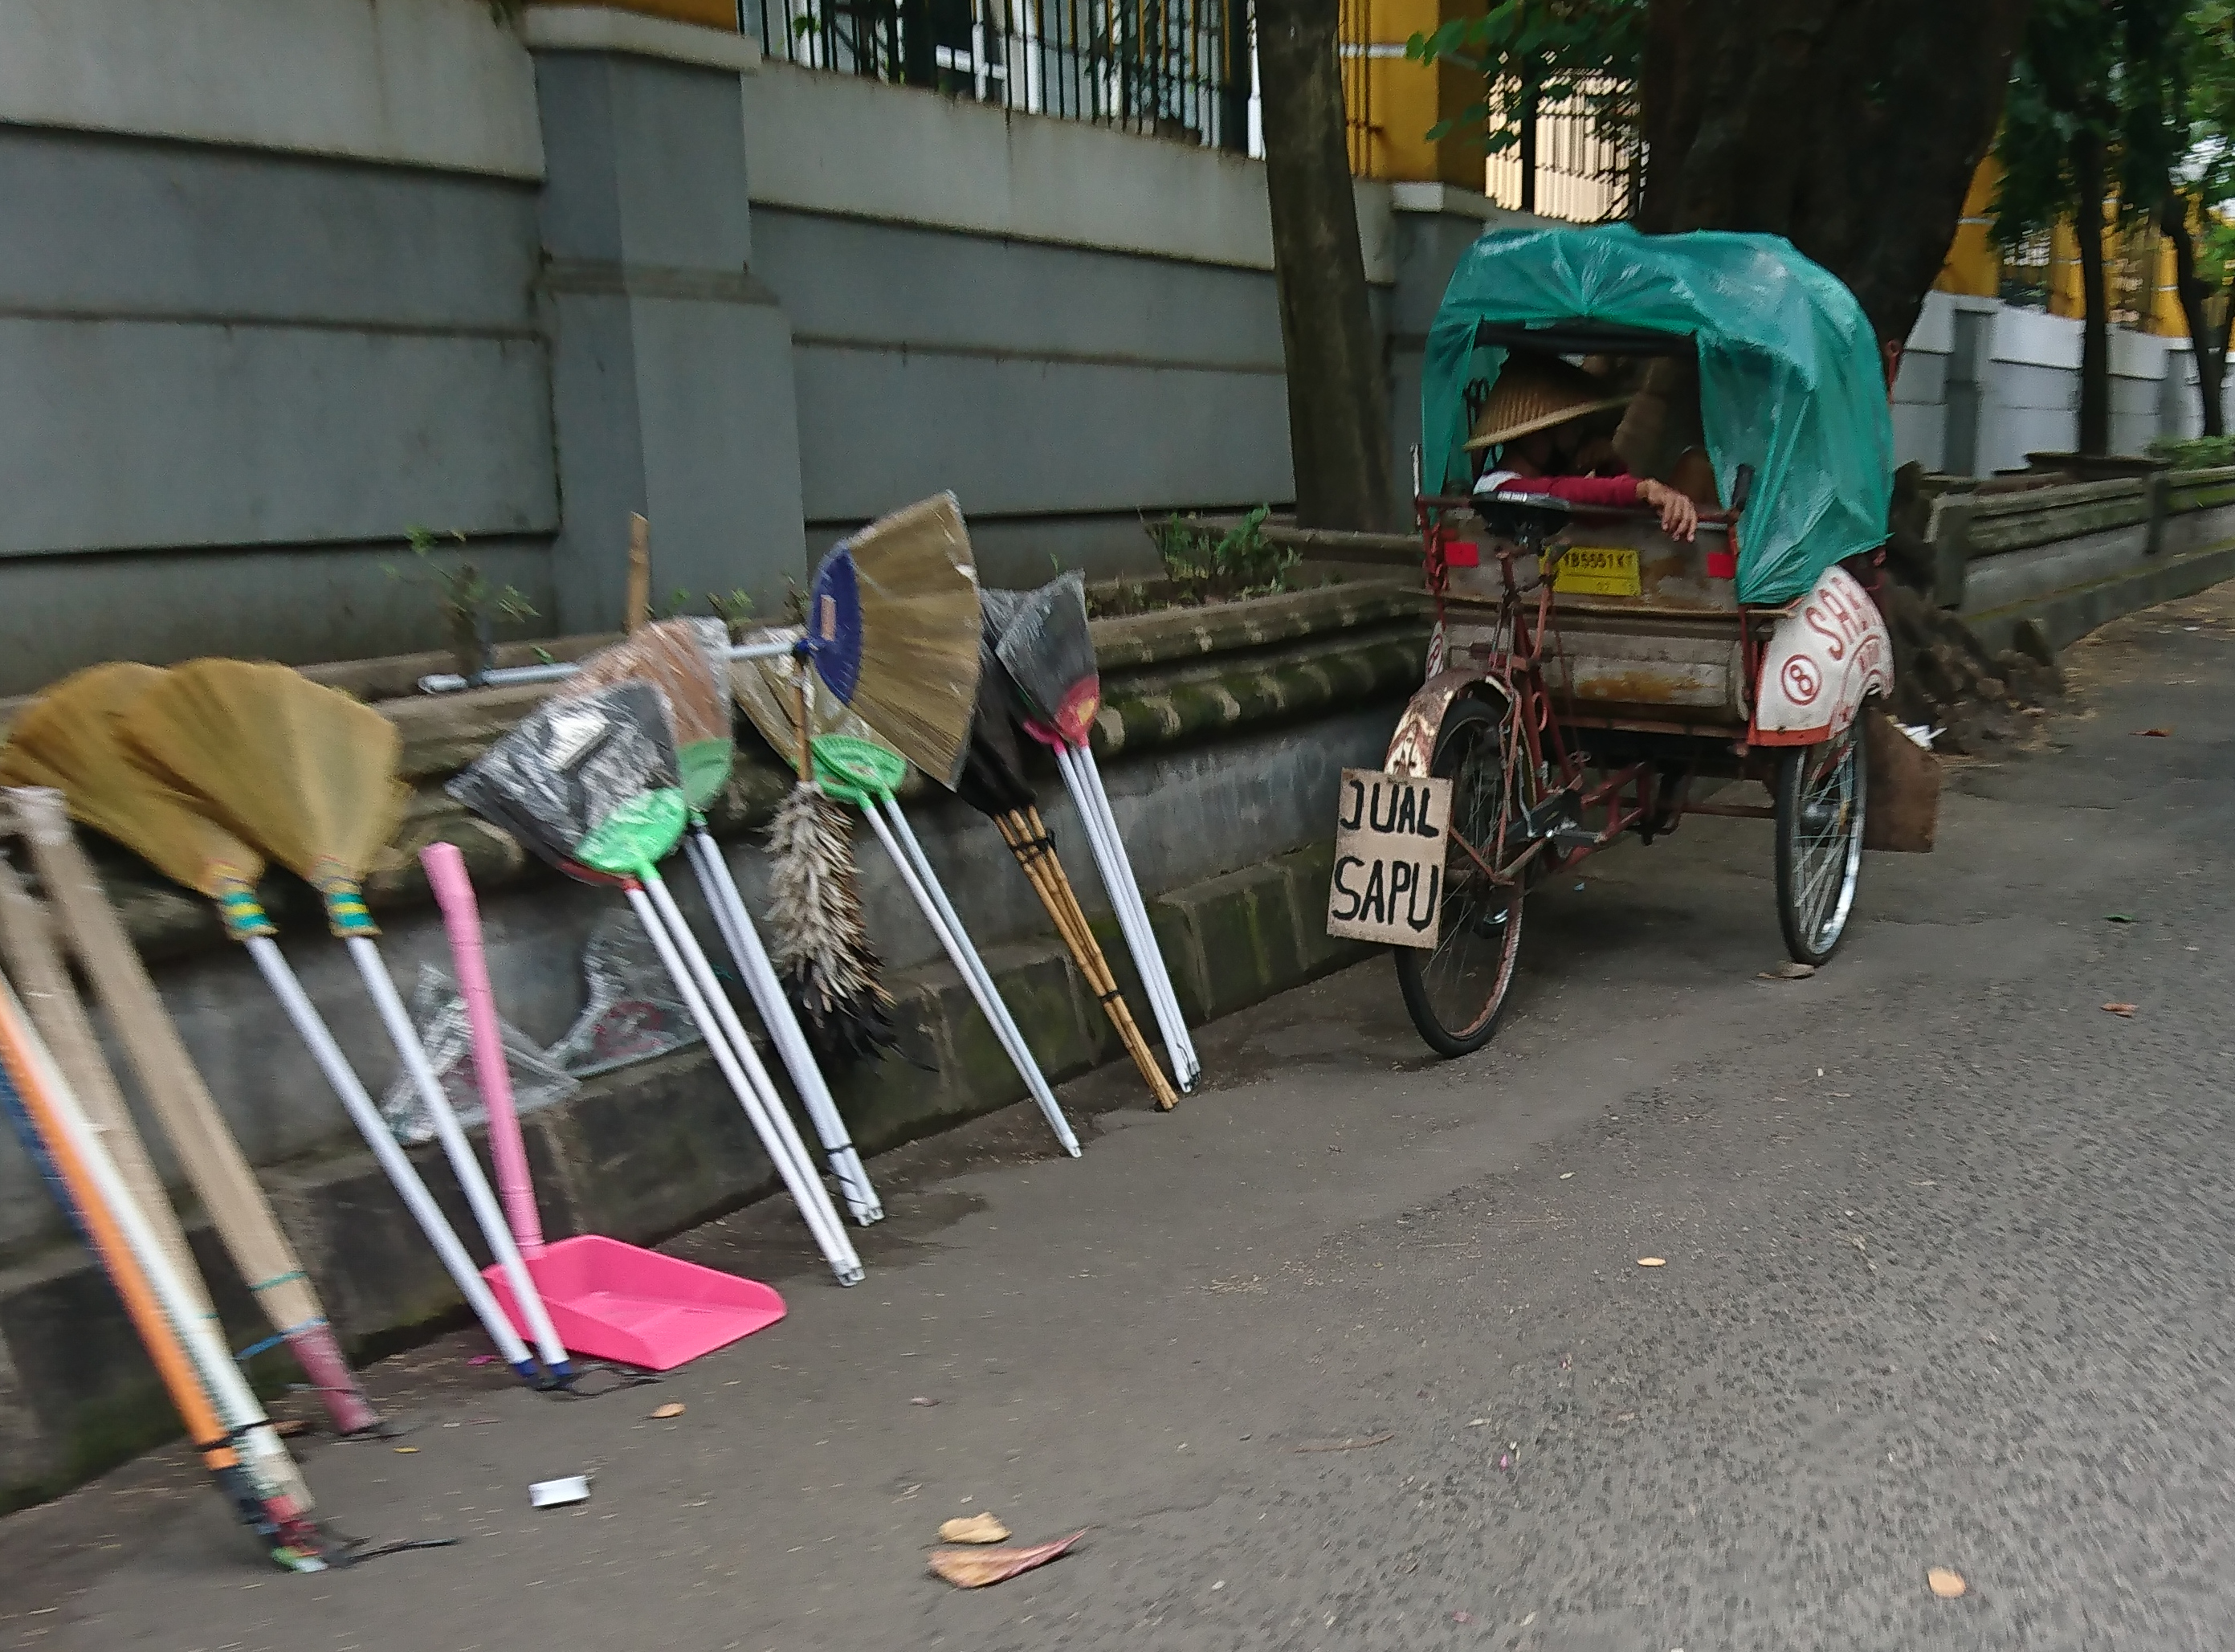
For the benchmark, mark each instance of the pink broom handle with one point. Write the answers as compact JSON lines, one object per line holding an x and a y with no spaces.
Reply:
{"x":462,"y":917}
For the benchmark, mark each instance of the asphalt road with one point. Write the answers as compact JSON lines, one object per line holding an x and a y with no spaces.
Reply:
{"x":1354,"y":1351}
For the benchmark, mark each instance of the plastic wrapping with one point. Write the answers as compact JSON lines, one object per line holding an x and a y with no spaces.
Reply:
{"x":572,"y":765}
{"x":1791,"y":378}
{"x":1049,"y":650}
{"x":688,"y":661}
{"x":630,"y":1010}
{"x":438,"y":1014}
{"x":892,"y":626}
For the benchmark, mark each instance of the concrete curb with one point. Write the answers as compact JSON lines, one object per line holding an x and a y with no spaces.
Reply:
{"x":640,"y":1154}
{"x":2069,"y":614}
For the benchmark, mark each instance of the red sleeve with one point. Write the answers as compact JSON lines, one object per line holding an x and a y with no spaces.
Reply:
{"x":1606,"y":492}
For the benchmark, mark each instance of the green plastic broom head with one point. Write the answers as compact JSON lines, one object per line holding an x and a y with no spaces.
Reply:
{"x":857,"y":771}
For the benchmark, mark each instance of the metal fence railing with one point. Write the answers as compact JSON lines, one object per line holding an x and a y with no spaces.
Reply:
{"x":1170,"y":68}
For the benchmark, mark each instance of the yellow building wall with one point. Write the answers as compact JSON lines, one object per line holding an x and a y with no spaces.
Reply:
{"x":1404,"y":99}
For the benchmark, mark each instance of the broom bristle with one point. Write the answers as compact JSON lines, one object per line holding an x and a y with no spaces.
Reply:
{"x":1049,"y":650}
{"x":821,"y":946}
{"x":302,"y":771}
{"x":993,"y":779}
{"x":765,"y":690}
{"x":911,"y":582}
{"x":70,"y":739}
{"x":686,"y":660}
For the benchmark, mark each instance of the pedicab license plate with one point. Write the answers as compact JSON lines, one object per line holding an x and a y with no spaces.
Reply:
{"x":1389,"y":835}
{"x":1595,"y":571}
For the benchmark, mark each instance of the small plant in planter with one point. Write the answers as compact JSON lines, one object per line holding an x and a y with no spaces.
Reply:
{"x":472,"y":603}
{"x":1207,"y":566}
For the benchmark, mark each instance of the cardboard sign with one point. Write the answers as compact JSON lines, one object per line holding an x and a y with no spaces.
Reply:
{"x":1388,"y":884}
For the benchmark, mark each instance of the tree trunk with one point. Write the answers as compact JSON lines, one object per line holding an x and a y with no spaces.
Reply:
{"x":2210,"y":353}
{"x":1528,"y":150}
{"x":2095,"y":300}
{"x":1338,"y":397}
{"x":1850,"y":127}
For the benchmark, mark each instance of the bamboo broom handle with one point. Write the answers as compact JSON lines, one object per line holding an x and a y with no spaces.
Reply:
{"x":28,"y":942}
{"x":1043,"y":870}
{"x":639,"y":575}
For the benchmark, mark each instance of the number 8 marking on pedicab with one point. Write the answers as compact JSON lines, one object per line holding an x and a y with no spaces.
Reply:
{"x":1802,"y":680}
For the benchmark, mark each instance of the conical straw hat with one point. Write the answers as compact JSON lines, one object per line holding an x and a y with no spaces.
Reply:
{"x":1535,"y":393}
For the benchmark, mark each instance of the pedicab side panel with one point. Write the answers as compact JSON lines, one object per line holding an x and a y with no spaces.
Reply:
{"x":1827,"y":656}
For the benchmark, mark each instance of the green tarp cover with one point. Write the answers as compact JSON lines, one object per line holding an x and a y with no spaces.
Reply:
{"x":1790,"y":379}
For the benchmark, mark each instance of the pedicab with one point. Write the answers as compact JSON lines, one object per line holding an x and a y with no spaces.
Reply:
{"x":1591,"y":675}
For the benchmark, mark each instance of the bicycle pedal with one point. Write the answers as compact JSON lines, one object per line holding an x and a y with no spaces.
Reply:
{"x":1552,"y":818}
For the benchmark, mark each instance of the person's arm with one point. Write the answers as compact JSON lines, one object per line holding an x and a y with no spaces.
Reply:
{"x":1680,"y":517}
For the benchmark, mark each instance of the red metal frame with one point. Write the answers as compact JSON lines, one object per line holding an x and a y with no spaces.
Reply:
{"x":1630,"y":795}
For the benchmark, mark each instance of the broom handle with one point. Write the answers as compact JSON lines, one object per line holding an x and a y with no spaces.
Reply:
{"x":461,"y":918}
{"x":1084,"y":756}
{"x":680,"y":952}
{"x":1147,"y":960}
{"x":908,"y":858}
{"x":1186,"y":1064}
{"x":365,"y":953}
{"x":1043,"y":870}
{"x":640,"y":575}
{"x":27,"y":940}
{"x":187,"y":1113}
{"x":752,"y":958}
{"x":213,"y":1397}
{"x":806,"y":734}
{"x":308,"y":1026}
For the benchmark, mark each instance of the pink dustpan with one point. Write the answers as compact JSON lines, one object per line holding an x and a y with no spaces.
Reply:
{"x":603,"y":1299}
{"x":609,"y":1301}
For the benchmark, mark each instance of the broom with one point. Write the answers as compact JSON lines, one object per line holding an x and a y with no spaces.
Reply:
{"x":687,"y":661}
{"x":1049,"y":651}
{"x":591,"y":784}
{"x":66,"y":740}
{"x":854,"y":767}
{"x":229,"y":1430}
{"x":309,"y":776}
{"x":993,"y":784}
{"x":892,"y":629}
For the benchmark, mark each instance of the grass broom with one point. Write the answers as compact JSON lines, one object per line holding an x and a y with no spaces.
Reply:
{"x":63,"y":750}
{"x":992,"y":782}
{"x":1046,"y":644}
{"x":854,"y":767}
{"x":687,"y":660}
{"x":309,"y":776}
{"x":590,"y":784}
{"x":236,"y":1442}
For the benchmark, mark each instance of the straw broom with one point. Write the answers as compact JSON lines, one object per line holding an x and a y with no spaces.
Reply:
{"x":71,"y":739}
{"x":66,"y":741}
{"x":309,"y":774}
{"x":687,"y":660}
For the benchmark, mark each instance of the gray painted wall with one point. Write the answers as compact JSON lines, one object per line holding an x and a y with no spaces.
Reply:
{"x":230,"y":380}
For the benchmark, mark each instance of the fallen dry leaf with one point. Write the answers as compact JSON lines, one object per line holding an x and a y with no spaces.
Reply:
{"x":673,"y":1408}
{"x":2126,"y":1010}
{"x":1653,"y":1261}
{"x":1787,"y":971}
{"x":2147,"y":734}
{"x":977,"y":1568}
{"x":1945,"y":1583}
{"x":923,"y":1399}
{"x":973,"y":1528}
{"x":291,"y":1428}
{"x":1345,"y":1444}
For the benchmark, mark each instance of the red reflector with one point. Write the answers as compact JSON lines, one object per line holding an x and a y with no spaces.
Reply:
{"x":1722,"y":565}
{"x":1461,"y":553}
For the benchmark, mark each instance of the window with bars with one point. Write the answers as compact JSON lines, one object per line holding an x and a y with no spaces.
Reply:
{"x":1169,"y":68}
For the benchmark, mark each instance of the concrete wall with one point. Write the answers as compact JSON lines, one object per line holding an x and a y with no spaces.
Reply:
{"x":266,"y":301}
{"x":1983,"y":385}
{"x":1069,"y":326}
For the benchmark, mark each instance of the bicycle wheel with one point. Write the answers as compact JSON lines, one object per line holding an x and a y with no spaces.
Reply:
{"x":1454,"y":992}
{"x":1819,"y":843}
